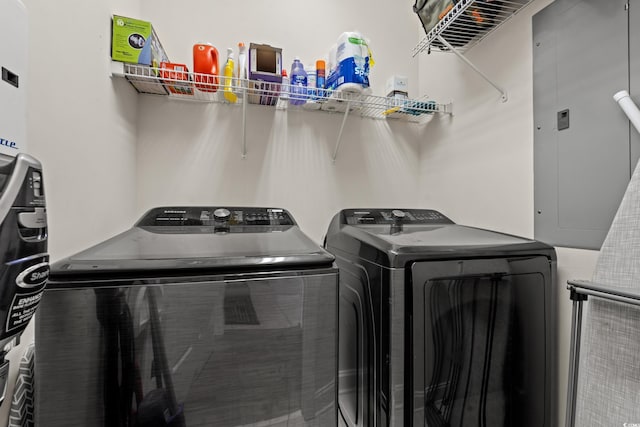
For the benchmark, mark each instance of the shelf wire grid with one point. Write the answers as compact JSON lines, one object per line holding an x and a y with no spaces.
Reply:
{"x":208,"y":88}
{"x":468,"y":22}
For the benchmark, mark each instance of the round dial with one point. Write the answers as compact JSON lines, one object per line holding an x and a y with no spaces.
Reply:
{"x":398,"y":214}
{"x":221,"y":214}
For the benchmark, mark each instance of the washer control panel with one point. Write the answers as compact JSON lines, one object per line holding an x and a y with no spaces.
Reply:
{"x":216,"y":216}
{"x":393,"y":216}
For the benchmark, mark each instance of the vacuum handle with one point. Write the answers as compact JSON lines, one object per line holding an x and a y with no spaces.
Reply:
{"x":23,"y":162}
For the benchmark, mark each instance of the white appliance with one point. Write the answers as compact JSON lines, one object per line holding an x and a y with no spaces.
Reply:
{"x":13,"y":63}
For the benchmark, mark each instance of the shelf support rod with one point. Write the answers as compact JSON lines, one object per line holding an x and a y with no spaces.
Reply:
{"x":503,"y":94}
{"x":244,"y":123}
{"x":344,"y":120}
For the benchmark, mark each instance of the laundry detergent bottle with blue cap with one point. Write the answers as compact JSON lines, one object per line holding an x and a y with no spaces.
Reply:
{"x":298,"y":92}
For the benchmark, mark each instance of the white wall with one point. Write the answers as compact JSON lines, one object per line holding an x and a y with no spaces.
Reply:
{"x":81,"y":126}
{"x":191,"y":153}
{"x":81,"y":123}
{"x":477,"y":166}
{"x":193,"y":159}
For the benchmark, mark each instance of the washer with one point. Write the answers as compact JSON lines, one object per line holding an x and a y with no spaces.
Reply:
{"x":442,"y":324}
{"x":196,"y":316}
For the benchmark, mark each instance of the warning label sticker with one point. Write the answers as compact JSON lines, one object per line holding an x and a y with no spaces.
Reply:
{"x":23,"y":307}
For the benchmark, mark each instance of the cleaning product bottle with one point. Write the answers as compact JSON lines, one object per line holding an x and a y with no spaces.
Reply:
{"x":285,"y":86}
{"x":205,"y":67}
{"x":229,"y":71}
{"x":311,"y":81}
{"x":241,"y":72}
{"x":298,"y":92}
{"x":320,"y":78}
{"x":312,"y":93}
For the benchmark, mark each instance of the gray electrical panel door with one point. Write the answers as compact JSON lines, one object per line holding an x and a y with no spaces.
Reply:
{"x":582,"y":161}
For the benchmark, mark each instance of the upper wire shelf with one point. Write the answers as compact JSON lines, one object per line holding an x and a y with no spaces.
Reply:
{"x":467,"y":23}
{"x":211,"y":89}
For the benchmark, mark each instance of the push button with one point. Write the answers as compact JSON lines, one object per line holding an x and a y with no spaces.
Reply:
{"x":36,"y":179}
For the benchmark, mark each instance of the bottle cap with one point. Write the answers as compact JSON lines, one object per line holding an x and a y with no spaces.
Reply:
{"x":284,"y":73}
{"x":320,"y":64}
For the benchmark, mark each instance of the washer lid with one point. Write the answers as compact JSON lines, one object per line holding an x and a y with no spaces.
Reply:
{"x":177,"y":238}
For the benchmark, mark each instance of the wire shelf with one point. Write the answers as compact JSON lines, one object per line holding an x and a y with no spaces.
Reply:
{"x":207,"y":88}
{"x":467,"y":23}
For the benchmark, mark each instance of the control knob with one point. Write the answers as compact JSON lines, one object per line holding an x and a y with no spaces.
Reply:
{"x":221,"y":220}
{"x":221,"y":214}
{"x":398,"y":216}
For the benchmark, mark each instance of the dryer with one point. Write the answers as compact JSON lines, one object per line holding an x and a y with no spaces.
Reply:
{"x":442,"y":324}
{"x":196,"y":316}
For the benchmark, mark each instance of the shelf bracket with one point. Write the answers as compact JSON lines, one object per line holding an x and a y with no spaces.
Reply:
{"x":344,"y":120}
{"x":503,"y":94}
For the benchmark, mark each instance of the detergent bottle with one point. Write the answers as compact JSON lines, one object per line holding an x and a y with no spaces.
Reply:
{"x":241,"y":72}
{"x":205,"y":65}
{"x":229,"y":72}
{"x":285,"y":86}
{"x":312,"y":92}
{"x":298,"y":92}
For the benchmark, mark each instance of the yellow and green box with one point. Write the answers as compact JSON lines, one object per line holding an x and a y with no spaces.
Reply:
{"x":135,"y":41}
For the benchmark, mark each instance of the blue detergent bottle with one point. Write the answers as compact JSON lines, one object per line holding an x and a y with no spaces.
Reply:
{"x":298,"y":92}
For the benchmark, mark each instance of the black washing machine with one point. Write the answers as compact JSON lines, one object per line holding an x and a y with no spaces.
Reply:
{"x":196,"y":316}
{"x":442,"y":324}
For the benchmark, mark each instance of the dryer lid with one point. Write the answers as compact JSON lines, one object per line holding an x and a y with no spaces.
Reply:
{"x":398,"y":236}
{"x":446,"y":236}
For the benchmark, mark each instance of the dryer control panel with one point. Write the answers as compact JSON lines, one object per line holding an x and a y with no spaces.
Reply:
{"x":391,"y":216}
